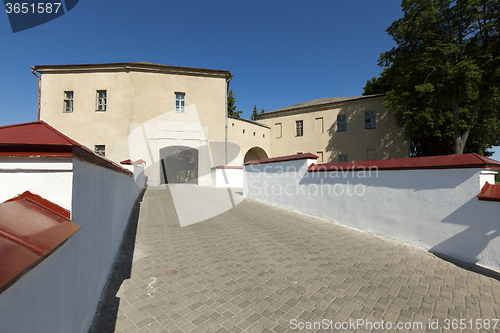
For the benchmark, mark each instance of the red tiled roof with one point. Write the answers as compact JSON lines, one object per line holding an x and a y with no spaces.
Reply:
{"x":413,"y":163}
{"x":490,"y":192}
{"x":39,"y":139}
{"x":284,"y":159}
{"x":31,"y":228}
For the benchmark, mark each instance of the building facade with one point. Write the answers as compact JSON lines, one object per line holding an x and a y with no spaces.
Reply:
{"x":142,"y":111}
{"x":337,"y":130}
{"x":175,"y":119}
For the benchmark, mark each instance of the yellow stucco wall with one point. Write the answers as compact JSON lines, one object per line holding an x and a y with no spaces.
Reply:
{"x":140,"y":106}
{"x":387,"y":139}
{"x":243,"y":136}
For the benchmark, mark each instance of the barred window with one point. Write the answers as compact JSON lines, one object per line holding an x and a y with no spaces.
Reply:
{"x":100,"y":149}
{"x":102,"y":100}
{"x":300,"y":127}
{"x":341,"y":123}
{"x":68,"y":101}
{"x":369,"y":120}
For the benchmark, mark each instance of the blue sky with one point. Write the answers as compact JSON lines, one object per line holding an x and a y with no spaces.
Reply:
{"x":280,"y":52}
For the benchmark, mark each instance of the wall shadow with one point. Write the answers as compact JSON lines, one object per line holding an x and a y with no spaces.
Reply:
{"x":468,"y":244}
{"x":107,"y":310}
{"x":386,"y":138}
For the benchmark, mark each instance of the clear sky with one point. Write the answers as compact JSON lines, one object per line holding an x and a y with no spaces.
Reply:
{"x":280,"y":52}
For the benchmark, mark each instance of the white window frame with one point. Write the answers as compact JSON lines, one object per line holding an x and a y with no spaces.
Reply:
{"x":68,"y":101}
{"x":180,"y":102}
{"x":101,"y":100}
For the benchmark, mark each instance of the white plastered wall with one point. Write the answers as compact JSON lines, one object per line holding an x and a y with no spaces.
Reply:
{"x":50,"y":178}
{"x":62,"y":292}
{"x":224,"y":177}
{"x":436,"y":210}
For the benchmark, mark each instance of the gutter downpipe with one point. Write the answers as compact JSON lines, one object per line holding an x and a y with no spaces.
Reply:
{"x":39,"y":88}
{"x":228,"y":79}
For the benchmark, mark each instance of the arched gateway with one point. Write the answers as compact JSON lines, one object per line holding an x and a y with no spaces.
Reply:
{"x":255,"y":153}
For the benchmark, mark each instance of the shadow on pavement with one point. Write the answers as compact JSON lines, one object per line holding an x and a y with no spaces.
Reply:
{"x":107,"y":309}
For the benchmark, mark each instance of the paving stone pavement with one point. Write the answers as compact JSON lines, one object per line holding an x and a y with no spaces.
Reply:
{"x":257,"y":268}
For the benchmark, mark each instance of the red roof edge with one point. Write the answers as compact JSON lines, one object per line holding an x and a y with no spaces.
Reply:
{"x":489,"y":192}
{"x":127,"y":162}
{"x":44,"y":203}
{"x":463,"y":161}
{"x":228,"y":167}
{"x":31,"y":229}
{"x":283,"y":159}
{"x":65,"y":147}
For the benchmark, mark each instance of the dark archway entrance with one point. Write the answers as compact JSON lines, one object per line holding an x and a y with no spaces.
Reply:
{"x":179,"y":164}
{"x":255,"y":153}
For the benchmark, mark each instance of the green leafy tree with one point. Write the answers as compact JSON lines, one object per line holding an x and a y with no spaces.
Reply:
{"x":442,"y":79}
{"x":262,"y":111}
{"x":231,"y":105}
{"x":255,"y":112}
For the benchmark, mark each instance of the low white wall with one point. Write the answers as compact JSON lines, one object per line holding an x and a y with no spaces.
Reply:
{"x":434,"y":209}
{"x":62,"y":292}
{"x":227,"y":177}
{"x":50,"y":178}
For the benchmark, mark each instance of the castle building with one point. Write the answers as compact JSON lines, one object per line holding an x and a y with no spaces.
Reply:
{"x":175,"y":119}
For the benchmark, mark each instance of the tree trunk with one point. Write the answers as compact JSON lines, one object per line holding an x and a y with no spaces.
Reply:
{"x":461,"y":136}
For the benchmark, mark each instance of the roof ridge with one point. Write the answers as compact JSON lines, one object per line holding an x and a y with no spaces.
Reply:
{"x":65,"y":137}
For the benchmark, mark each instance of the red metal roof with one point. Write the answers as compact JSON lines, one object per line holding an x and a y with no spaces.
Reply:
{"x":31,"y":228}
{"x":34,"y":133}
{"x":127,"y":162}
{"x":228,"y":167}
{"x":39,"y":139}
{"x":413,"y":163}
{"x":490,"y":192}
{"x":284,"y":159}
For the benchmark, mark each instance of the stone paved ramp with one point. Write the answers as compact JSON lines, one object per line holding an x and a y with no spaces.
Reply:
{"x":256,"y":267}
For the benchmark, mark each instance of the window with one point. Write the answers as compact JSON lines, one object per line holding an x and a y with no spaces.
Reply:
{"x":100,"y":149}
{"x":320,"y":156}
{"x":263,"y":135}
{"x":369,"y":120}
{"x":101,"y":100}
{"x":243,"y":131}
{"x":299,"y":124}
{"x":179,"y":102}
{"x":253,"y":133}
{"x":342,"y":158}
{"x":68,"y":101}
{"x":277,"y":130}
{"x":370,"y":154}
{"x":341,"y":123}
{"x":319,"y":125}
